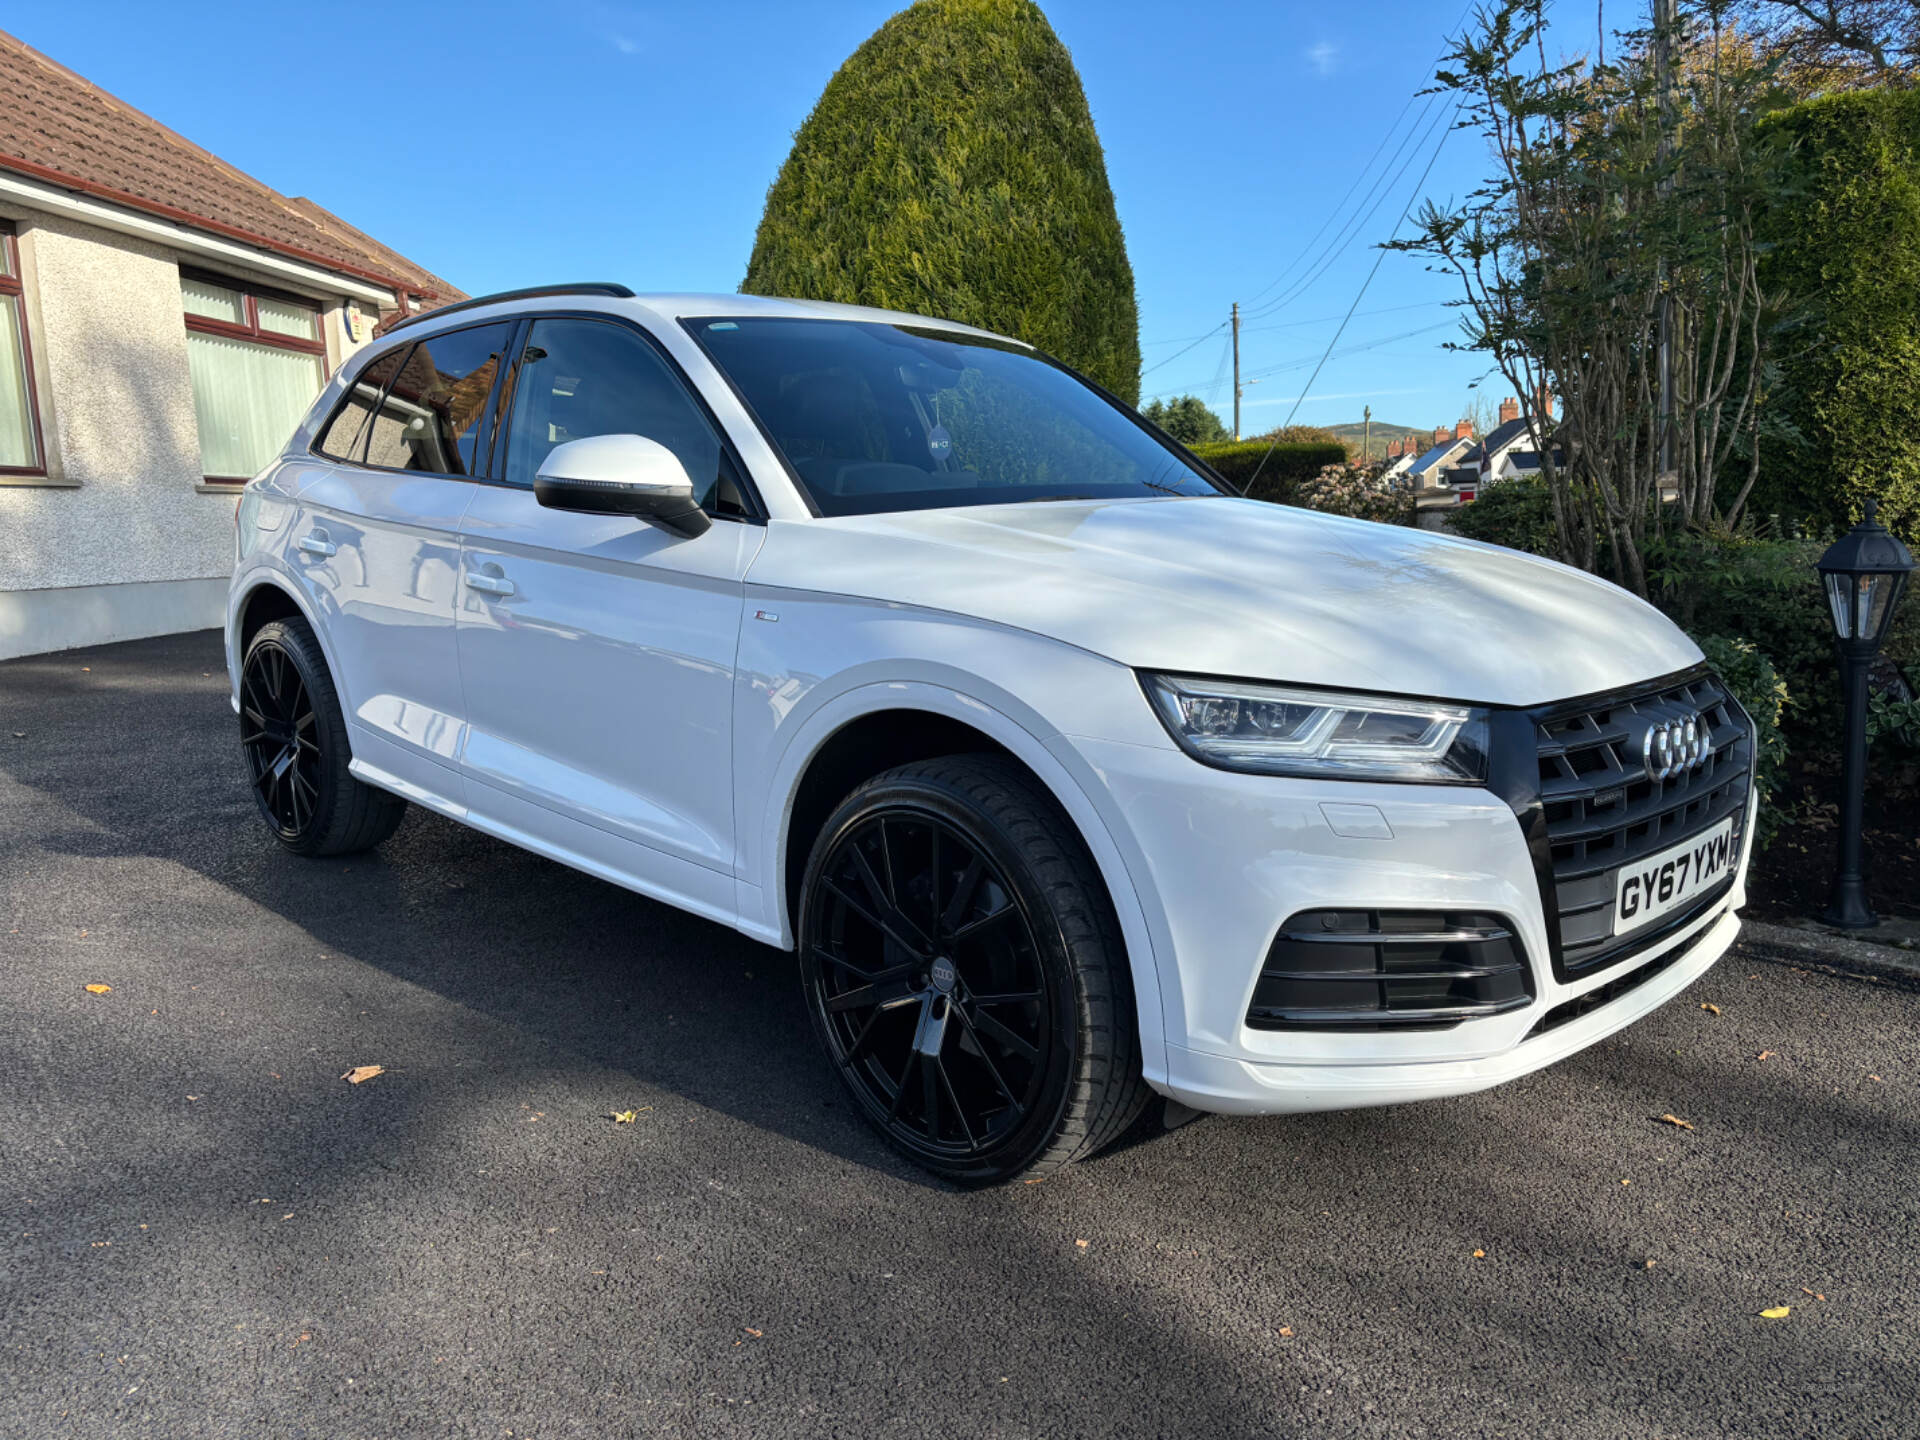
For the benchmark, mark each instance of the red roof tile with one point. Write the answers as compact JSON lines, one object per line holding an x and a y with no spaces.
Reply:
{"x":56,"y":125}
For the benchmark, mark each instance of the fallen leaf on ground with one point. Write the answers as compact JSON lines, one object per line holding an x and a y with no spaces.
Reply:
{"x":99,"y":989}
{"x":1286,"y":1330}
{"x":1713,"y":1009}
{"x":360,"y":1074}
{"x":1778,"y":1312}
{"x":624,"y":1117}
{"x":1479,"y":1254}
{"x":1676,"y":1120}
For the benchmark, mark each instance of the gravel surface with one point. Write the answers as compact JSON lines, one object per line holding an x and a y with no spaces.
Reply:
{"x":204,"y":1231}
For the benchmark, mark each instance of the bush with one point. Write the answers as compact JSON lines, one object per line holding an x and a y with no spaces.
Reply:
{"x":951,"y":168}
{"x":1764,"y":696}
{"x":1893,"y":722}
{"x":1290,"y":465}
{"x":1846,"y":258}
{"x":1515,"y":513}
{"x":1302,"y":434}
{"x":1359,"y":491}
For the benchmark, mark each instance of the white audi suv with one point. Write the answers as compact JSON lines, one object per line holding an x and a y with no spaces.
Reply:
{"x":1069,"y":776}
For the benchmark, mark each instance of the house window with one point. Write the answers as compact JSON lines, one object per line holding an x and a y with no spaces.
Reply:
{"x":257,"y":361}
{"x":19,"y":424}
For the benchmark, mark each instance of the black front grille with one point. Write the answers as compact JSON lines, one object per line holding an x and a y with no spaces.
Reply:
{"x":1389,"y":970}
{"x":1602,"y":811}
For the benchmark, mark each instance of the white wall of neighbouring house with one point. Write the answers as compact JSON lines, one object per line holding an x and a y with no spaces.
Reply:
{"x":121,"y":539}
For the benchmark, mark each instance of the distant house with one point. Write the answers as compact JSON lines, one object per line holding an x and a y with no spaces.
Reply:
{"x":1446,"y":450}
{"x":164,"y":322}
{"x":1503,"y":453}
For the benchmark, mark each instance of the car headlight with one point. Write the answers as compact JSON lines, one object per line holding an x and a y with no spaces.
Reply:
{"x":1272,"y":730}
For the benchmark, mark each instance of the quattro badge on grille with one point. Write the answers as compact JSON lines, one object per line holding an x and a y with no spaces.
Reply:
{"x":1674,"y":745}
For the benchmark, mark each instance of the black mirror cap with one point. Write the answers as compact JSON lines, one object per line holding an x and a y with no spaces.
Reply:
{"x":674,"y":512}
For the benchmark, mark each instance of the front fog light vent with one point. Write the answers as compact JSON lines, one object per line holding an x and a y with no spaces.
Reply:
{"x":1389,"y":970}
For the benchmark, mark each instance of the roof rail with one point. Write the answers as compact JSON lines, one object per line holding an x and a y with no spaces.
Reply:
{"x":589,"y":287}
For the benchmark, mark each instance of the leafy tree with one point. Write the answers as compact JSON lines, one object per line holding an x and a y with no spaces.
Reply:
{"x":951,"y":168}
{"x":1187,"y":418}
{"x":1839,"y":44}
{"x":1607,"y":202}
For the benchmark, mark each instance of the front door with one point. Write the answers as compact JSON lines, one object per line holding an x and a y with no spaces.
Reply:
{"x":378,"y":545}
{"x":597,"y":652}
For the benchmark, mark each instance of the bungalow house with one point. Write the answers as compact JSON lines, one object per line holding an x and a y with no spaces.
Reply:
{"x":164,"y":322}
{"x":1429,"y":469}
{"x":1503,"y":453}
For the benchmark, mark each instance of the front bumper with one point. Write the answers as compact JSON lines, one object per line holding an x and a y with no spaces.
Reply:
{"x":1226,"y":857}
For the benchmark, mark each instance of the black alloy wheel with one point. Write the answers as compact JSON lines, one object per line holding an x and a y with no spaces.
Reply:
{"x":295,"y":741}
{"x":280,"y":734}
{"x":947,"y":966}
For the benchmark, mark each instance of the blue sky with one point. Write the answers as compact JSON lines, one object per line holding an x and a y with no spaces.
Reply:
{"x":505,"y":145}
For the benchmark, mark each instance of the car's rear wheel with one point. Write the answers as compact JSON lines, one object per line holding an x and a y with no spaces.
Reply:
{"x":965,"y":971}
{"x":295,"y":741}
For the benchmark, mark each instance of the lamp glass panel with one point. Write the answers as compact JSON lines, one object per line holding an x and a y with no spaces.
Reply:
{"x":1840,"y":598}
{"x":1876,"y":597}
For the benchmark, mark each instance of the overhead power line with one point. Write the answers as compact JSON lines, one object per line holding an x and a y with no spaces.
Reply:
{"x":1405,"y":211}
{"x":1178,"y":353}
{"x":1353,"y":229}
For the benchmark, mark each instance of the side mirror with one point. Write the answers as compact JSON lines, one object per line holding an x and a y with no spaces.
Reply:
{"x":621,"y":475}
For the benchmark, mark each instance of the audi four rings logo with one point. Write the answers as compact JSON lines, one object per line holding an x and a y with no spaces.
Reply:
{"x":1673,"y":747}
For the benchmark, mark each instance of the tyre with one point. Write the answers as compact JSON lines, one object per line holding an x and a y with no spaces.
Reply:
{"x":964,"y":969}
{"x":295,"y":741}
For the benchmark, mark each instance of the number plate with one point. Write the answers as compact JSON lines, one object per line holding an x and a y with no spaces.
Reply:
{"x":1650,"y":888}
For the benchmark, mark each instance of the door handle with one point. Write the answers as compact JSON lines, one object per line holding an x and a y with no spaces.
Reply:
{"x":489,"y":584}
{"x":315,"y":542}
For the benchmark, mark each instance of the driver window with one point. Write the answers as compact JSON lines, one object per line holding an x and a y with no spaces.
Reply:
{"x":587,"y":377}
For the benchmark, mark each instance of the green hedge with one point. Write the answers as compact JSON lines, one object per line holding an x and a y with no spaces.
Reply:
{"x":951,"y":168}
{"x":1845,"y":258}
{"x":1282,"y":475}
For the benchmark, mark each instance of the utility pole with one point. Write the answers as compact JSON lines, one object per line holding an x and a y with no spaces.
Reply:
{"x":1366,"y":444}
{"x":1236,"y":369}
{"x":1664,"y":21}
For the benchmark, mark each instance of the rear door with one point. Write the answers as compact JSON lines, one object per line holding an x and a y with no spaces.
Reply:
{"x":378,"y":545}
{"x":596,"y":651}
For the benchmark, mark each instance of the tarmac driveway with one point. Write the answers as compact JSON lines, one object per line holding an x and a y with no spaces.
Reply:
{"x":205,"y":1232}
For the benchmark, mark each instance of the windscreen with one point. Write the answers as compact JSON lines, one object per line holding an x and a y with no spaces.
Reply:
{"x":874,"y":417}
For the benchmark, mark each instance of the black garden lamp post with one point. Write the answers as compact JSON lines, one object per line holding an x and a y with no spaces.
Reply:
{"x":1864,"y":572}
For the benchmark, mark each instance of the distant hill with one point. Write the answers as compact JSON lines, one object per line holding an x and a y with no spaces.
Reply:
{"x":1351,"y":435}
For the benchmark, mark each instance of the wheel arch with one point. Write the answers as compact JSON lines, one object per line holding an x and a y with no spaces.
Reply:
{"x":871,"y":729}
{"x":265,"y":596}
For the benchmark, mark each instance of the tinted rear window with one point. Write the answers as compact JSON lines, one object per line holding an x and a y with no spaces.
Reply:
{"x":432,"y":416}
{"x":345,"y":435}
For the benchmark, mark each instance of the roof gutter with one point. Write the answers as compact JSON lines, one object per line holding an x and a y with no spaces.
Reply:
{"x":63,"y":197}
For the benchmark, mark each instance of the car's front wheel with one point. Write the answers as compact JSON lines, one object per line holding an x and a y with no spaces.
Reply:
{"x":295,"y":740}
{"x":965,"y":971}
